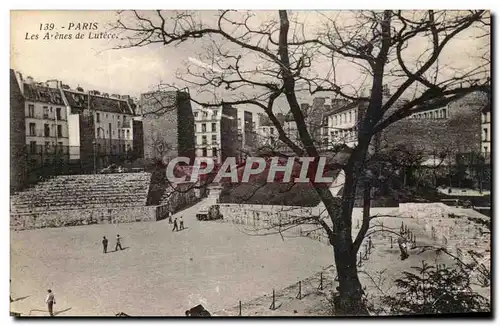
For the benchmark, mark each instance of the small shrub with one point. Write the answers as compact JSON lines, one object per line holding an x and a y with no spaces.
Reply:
{"x":435,"y":291}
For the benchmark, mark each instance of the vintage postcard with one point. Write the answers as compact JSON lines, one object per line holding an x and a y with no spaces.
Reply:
{"x":250,"y":163}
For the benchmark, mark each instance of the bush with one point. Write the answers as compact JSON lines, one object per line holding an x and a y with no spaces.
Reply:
{"x":434,"y":290}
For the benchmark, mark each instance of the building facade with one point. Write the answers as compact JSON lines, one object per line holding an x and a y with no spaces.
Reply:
{"x":45,"y":127}
{"x":208,"y":132}
{"x":486,"y":131}
{"x":168,"y":125}
{"x":101,"y":128}
{"x":18,"y":172}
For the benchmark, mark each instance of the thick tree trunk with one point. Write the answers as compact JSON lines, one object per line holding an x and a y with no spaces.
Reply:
{"x":349,"y":301}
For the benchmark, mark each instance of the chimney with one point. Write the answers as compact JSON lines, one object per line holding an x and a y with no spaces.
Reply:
{"x":20,"y":82}
{"x":52,"y":83}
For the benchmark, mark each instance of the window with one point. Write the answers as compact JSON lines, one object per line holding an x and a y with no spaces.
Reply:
{"x":350,"y":116}
{"x":485,"y":134}
{"x":31,"y":110}
{"x":46,"y":130}
{"x":204,"y":140}
{"x":214,"y":127}
{"x":58,"y":114}
{"x":205,"y":115}
{"x":271,"y":130}
{"x":128,"y":134}
{"x":98,"y":117}
{"x":203,"y":127}
{"x":214,"y":151}
{"x":32,"y":147}
{"x":59,"y":131}
{"x":45,"y":112}
{"x":32,"y":129}
{"x":214,"y":114}
{"x":118,"y":124}
{"x":106,"y":118}
{"x":196,"y":114}
{"x":214,"y":139}
{"x":47,"y":146}
{"x":444,"y":113}
{"x":204,"y":152}
{"x":486,"y":149}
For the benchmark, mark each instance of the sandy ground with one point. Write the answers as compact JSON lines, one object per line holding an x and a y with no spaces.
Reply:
{"x":159,"y":273}
{"x":216,"y":264}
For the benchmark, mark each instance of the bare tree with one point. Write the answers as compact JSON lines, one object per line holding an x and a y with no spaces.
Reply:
{"x":261,"y":58}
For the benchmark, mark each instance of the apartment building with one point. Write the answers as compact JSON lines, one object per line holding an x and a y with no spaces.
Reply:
{"x":486,"y":131}
{"x":46,"y":122}
{"x":100,"y":127}
{"x":208,"y":132}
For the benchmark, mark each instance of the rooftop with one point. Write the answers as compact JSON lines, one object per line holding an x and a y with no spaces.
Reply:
{"x":40,"y":93}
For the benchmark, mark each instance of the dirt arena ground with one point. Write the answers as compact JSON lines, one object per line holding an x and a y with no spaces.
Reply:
{"x":160,"y":273}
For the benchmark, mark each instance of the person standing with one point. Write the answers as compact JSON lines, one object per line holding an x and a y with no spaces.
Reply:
{"x":50,"y":301}
{"x":175,"y":225}
{"x":169,"y":218}
{"x":118,"y":243}
{"x":403,"y":247}
{"x":104,"y":244}
{"x":181,"y":223}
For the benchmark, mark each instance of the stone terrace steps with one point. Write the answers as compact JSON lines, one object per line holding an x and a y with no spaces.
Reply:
{"x":84,"y":191}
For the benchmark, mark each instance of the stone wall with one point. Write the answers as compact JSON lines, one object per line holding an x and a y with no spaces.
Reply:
{"x":84,"y":217}
{"x":264,"y":217}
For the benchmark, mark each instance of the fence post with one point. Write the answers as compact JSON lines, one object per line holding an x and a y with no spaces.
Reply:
{"x":273,"y":305}
{"x":240,"y":309}
{"x":299,"y":295}
{"x":391,"y":241}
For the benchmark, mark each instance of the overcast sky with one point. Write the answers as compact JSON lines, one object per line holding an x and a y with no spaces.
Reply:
{"x":92,"y":64}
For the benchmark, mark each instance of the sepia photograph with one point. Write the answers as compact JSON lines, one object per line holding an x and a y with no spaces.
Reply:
{"x":250,"y":163}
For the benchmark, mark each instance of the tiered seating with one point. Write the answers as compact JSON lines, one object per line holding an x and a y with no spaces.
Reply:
{"x":84,"y":192}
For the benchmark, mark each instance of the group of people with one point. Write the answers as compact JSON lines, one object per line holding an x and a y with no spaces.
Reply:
{"x":105,"y":244}
{"x":177,"y":226}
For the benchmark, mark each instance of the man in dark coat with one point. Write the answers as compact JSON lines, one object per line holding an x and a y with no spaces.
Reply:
{"x":118,"y":243}
{"x":175,"y":225}
{"x":104,"y":244}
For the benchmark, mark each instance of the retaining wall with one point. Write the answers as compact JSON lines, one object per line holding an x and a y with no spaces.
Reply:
{"x":84,"y":217}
